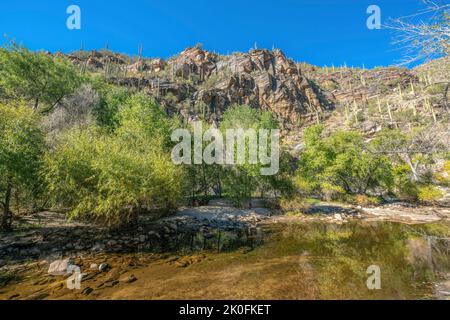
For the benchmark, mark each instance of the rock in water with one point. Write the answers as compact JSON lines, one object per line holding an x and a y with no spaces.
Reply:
{"x":130,"y":279}
{"x":87,"y":291}
{"x":59,"y":267}
{"x":103,"y":267}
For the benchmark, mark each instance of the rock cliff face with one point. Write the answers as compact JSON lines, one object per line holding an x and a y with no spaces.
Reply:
{"x":201,"y":84}
{"x":261,"y":79}
{"x":198,"y":83}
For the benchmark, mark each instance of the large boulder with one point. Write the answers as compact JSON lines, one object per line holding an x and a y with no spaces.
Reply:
{"x":59,"y":267}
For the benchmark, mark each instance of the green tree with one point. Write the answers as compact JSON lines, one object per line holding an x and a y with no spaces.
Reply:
{"x":203,"y":179}
{"x":141,"y":117}
{"x":241,"y":181}
{"x":21,"y":148}
{"x":38,"y":78}
{"x":114,"y":176}
{"x":342,"y":163}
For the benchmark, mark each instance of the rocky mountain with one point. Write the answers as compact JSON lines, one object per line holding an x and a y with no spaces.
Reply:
{"x":201,"y":84}
{"x":197,"y":81}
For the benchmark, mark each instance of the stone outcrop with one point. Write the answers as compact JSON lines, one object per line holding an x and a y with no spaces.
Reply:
{"x":261,"y":79}
{"x":194,"y":61}
{"x":200,"y":80}
{"x":201,"y":84}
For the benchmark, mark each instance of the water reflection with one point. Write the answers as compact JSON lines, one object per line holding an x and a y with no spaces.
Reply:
{"x":330,"y":261}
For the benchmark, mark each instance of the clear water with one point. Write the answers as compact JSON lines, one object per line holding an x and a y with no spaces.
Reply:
{"x":308,"y":260}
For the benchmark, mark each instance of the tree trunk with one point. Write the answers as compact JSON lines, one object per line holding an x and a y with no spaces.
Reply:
{"x":7,"y":214}
{"x":36,"y":104}
{"x":219,"y":183}
{"x":413,"y":167}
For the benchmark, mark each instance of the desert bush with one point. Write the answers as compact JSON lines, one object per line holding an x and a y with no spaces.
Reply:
{"x":447,"y":168}
{"x":331,"y":192}
{"x":429,"y":194}
{"x":141,"y":117}
{"x":295,"y":204}
{"x":74,"y":110}
{"x":241,"y":181}
{"x":363,"y":200}
{"x":404,"y":187}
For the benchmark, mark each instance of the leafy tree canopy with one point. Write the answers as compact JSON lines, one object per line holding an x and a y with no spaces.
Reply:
{"x":38,"y":78}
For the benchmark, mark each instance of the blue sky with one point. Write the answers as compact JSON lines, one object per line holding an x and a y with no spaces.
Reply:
{"x":321,"y":32}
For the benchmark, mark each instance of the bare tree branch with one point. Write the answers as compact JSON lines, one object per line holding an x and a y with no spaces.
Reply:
{"x":424,"y":35}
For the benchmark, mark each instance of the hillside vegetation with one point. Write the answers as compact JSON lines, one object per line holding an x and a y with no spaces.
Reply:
{"x":89,"y":133}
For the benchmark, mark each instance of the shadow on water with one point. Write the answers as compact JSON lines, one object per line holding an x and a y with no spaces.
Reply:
{"x":215,"y":240}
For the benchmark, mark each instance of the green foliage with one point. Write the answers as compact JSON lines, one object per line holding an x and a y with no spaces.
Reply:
{"x":21,"y":148}
{"x":363,"y":200}
{"x":242,"y":181}
{"x":429,"y":193}
{"x":447,"y":168}
{"x":342,"y":162}
{"x":141,"y":117}
{"x":112,"y":177}
{"x":293,"y":205}
{"x":111,"y":101}
{"x":405,"y":187}
{"x":203,"y":179}
{"x":38,"y":78}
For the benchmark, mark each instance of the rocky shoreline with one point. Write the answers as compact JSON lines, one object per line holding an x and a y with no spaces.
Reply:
{"x":107,"y":259}
{"x":48,"y":234}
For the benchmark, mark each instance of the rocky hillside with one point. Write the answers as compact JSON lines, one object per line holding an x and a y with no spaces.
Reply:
{"x":201,"y":84}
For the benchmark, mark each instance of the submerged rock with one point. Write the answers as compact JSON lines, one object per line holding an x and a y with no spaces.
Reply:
{"x":59,"y":267}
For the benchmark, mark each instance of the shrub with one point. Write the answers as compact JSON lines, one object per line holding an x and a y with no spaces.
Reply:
{"x":429,"y":194}
{"x":102,"y":176}
{"x":404,"y":187}
{"x":74,"y":110}
{"x":112,"y":99}
{"x":447,"y":168}
{"x":295,"y":204}
{"x":141,"y":117}
{"x":241,"y":181}
{"x":332,"y":192}
{"x":364,"y":200}
{"x":113,"y":176}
